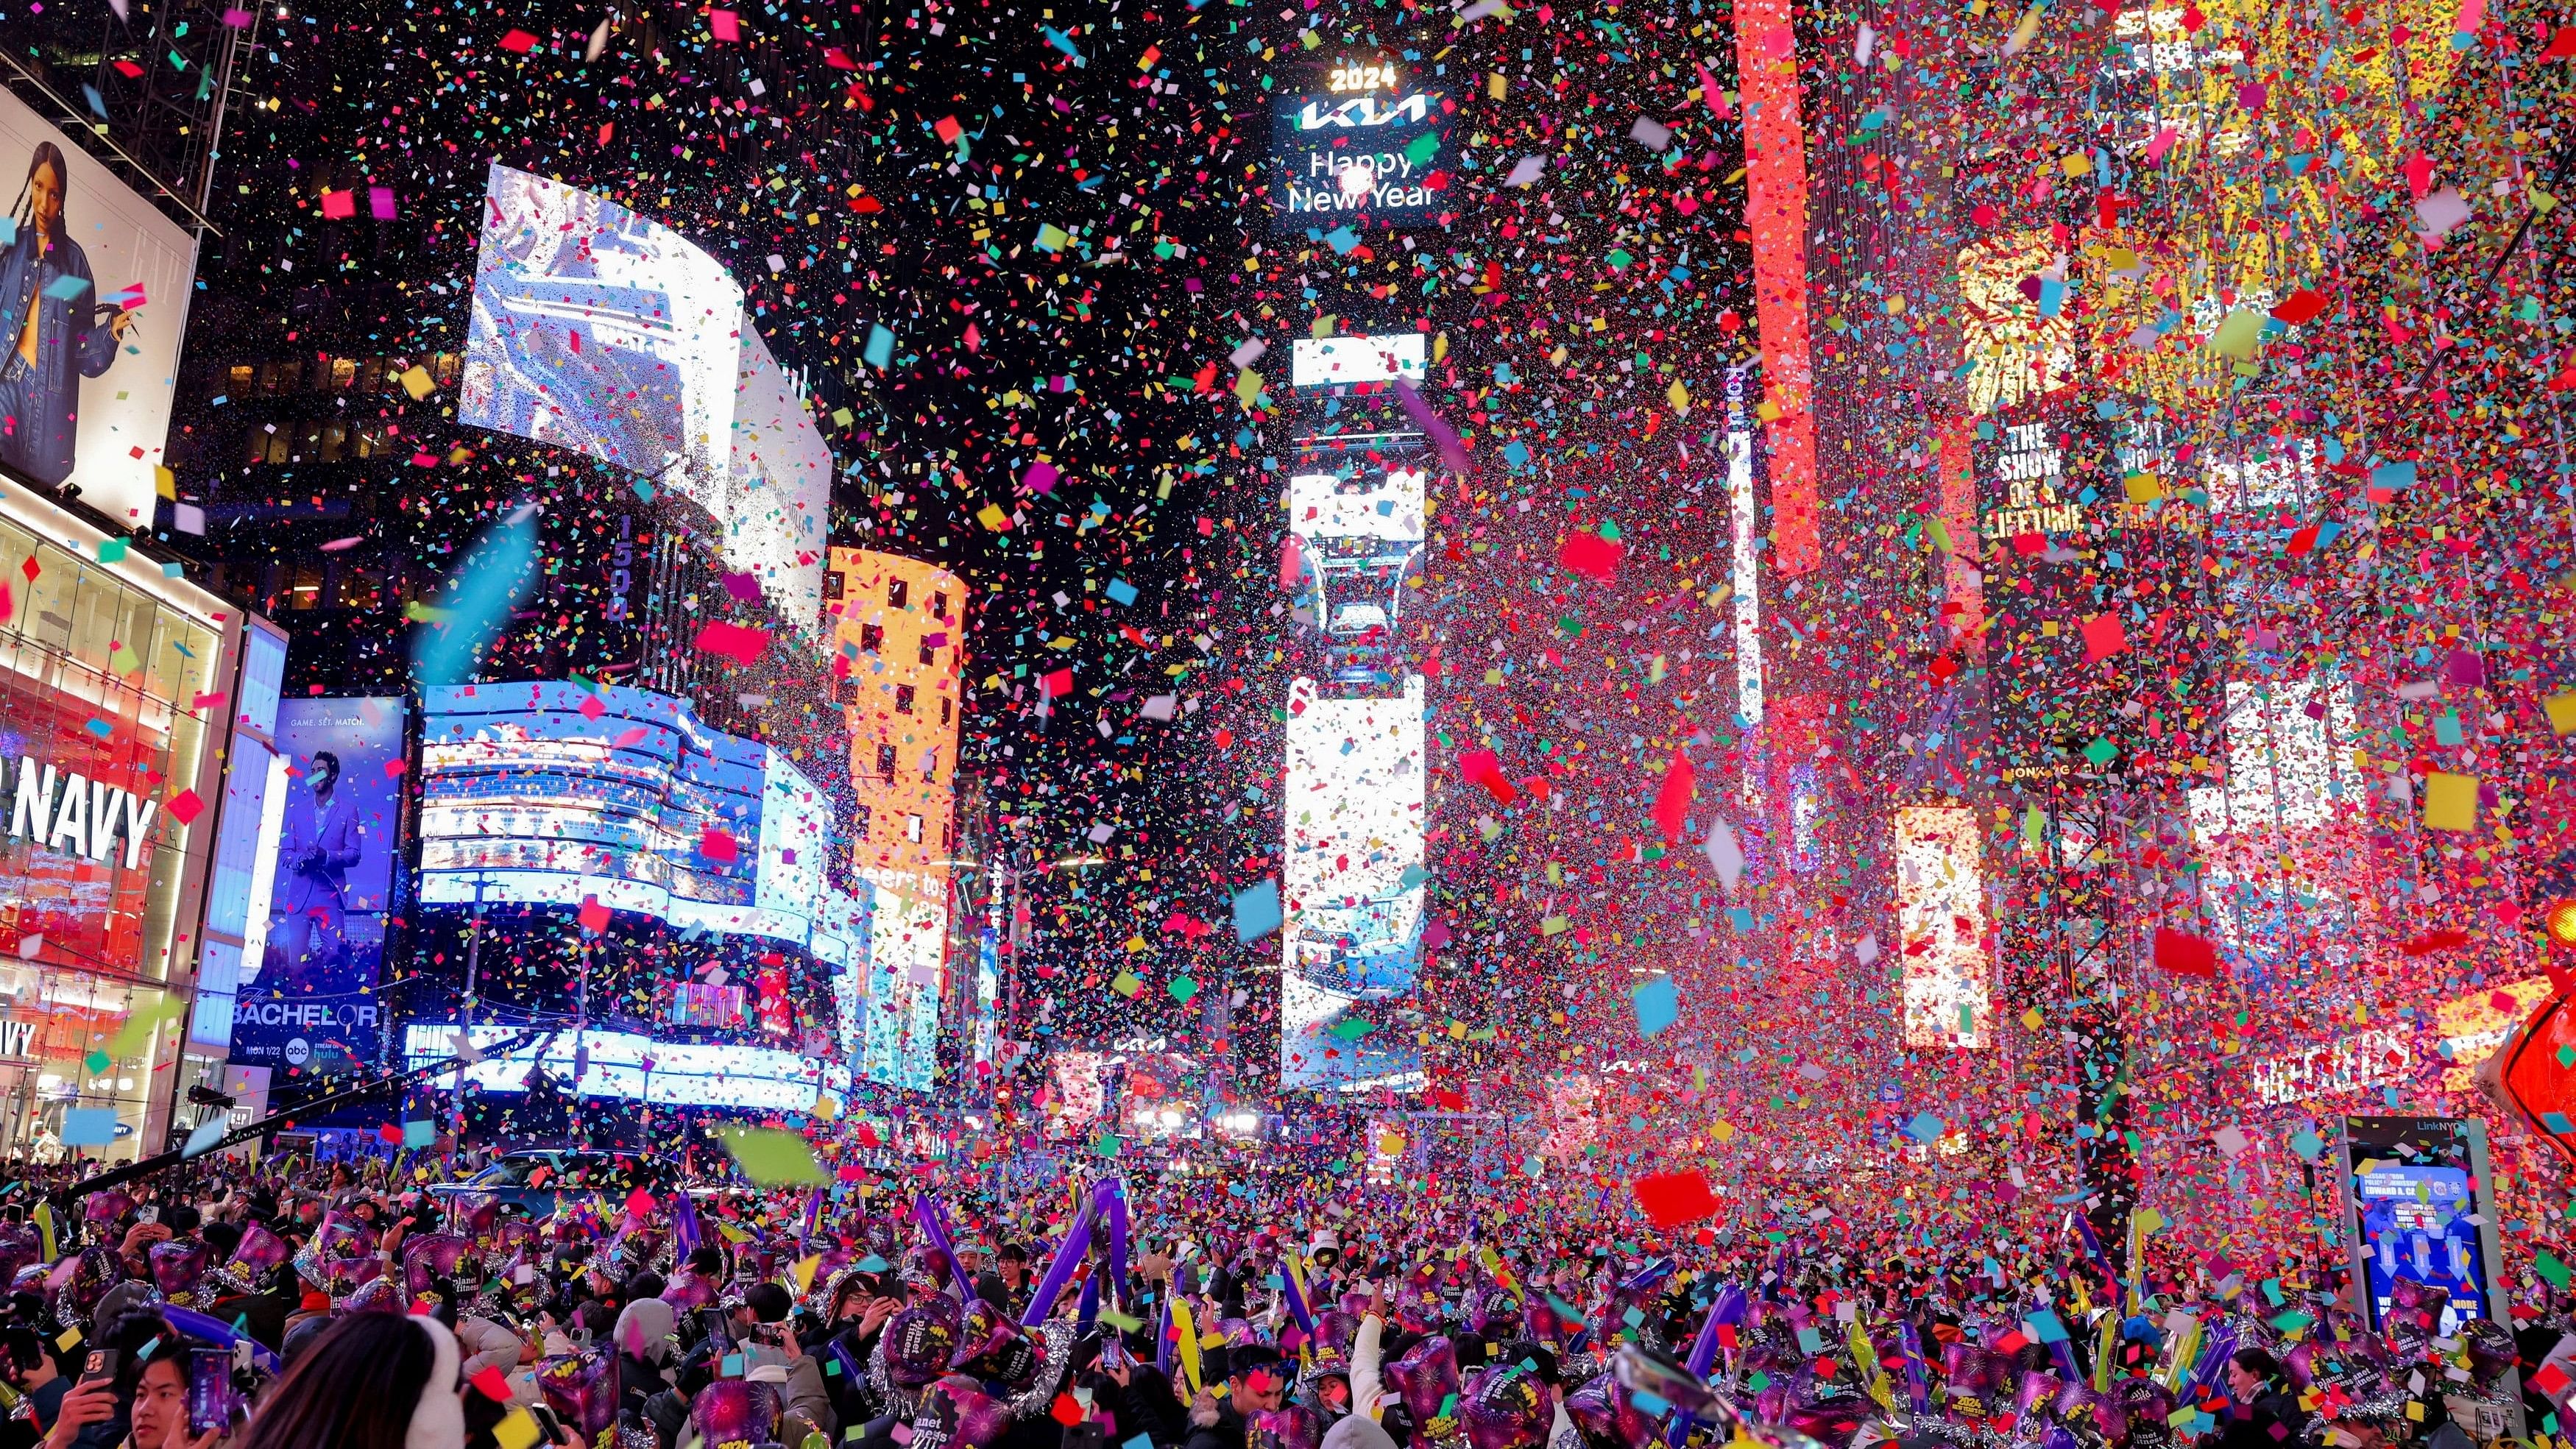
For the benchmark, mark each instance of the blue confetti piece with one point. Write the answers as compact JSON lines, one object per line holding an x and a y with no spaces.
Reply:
{"x":98,"y":727}
{"x":66,"y":288}
{"x":1121,"y":592}
{"x":1256,"y":911}
{"x":1658,"y":1004}
{"x":1342,"y":239}
{"x":492,"y":580}
{"x":880,"y":352}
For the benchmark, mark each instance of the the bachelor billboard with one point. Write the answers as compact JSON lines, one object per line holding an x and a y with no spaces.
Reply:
{"x":308,"y":1003}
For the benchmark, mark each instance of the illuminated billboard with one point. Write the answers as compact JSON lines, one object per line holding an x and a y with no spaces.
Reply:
{"x":306,"y":997}
{"x":1363,"y":146}
{"x":777,"y":505}
{"x":2090,"y":679}
{"x":907,"y":946}
{"x":1074,"y":1096}
{"x":1359,"y":534}
{"x":547,"y":793}
{"x":600,"y":331}
{"x":94,"y":411}
{"x":1353,"y":888}
{"x":626,"y":1066}
{"x":1941,"y":918}
{"x":1333,"y":361}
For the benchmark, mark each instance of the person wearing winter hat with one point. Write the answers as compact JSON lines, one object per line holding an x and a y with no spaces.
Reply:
{"x":372,"y":1381}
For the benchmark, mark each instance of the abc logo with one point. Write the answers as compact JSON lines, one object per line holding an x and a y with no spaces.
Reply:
{"x":298,"y":1052}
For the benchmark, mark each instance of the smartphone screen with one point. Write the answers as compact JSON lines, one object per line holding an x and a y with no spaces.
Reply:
{"x":547,"y":1421}
{"x":210,"y":1390}
{"x":713,"y":1320}
{"x":101,"y":1364}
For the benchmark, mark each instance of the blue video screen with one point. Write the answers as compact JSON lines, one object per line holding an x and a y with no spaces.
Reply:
{"x":550,"y":793}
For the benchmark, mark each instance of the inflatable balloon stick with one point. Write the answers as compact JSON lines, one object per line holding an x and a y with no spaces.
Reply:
{"x":933,"y":1218}
{"x":1068,"y":1255}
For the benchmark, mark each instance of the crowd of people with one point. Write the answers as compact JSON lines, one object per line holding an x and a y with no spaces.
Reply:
{"x":302,"y":1306}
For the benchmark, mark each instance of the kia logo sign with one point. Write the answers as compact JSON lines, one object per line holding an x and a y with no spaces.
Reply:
{"x":1363,"y":111}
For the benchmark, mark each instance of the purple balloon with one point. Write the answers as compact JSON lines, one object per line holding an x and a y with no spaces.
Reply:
{"x":957,"y":1412}
{"x":582,"y":1388}
{"x":1291,"y":1427}
{"x":433,"y":1256}
{"x":733,"y":1412}
{"x":106,"y":1207}
{"x":1077,"y":1237}
{"x":1427,"y":1378}
{"x":1507,"y":1408}
{"x":933,"y":1218}
{"x":178,"y":1268}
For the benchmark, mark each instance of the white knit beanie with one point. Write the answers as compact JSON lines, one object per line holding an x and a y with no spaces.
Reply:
{"x":438,"y":1420}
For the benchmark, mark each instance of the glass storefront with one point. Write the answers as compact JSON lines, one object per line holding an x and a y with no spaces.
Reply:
{"x":113,"y":688}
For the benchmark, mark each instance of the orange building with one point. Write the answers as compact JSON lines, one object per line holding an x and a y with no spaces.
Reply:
{"x":899,"y":636}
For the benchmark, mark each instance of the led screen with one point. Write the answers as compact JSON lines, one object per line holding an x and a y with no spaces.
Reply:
{"x":631,"y":1067}
{"x":1359,"y":534}
{"x":1353,"y":888}
{"x":1361,"y":148}
{"x":112,"y":306}
{"x":1327,"y":361}
{"x":907,"y":939}
{"x":555,"y":794}
{"x":598,"y":330}
{"x":2419,"y":1207}
{"x":1941,"y":915}
{"x":307,"y":996}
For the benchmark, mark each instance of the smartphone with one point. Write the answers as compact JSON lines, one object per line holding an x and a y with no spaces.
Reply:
{"x":1085,"y":1434}
{"x":547,"y":1421}
{"x":210,"y":1391}
{"x":148,"y":1213}
{"x":101,"y":1364}
{"x":713,"y":1321}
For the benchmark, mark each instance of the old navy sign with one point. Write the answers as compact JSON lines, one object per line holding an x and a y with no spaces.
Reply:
{"x":78,"y":816}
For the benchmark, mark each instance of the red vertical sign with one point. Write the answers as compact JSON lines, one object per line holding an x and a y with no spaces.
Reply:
{"x":1775,"y":161}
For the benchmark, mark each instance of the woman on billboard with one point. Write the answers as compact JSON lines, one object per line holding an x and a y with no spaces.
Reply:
{"x":48,"y":312}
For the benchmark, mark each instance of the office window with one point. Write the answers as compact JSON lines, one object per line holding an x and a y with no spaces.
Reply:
{"x":864,"y":821}
{"x":929,"y":655}
{"x":943,"y":711}
{"x":344,"y":373}
{"x":939,"y":605}
{"x":885,"y":761}
{"x":898,"y":592}
{"x":871,"y":637}
{"x":930,"y":767}
{"x":237,"y":380}
{"x":831,"y":583}
{"x":903,"y":699}
{"x":912,"y":828}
